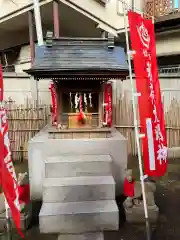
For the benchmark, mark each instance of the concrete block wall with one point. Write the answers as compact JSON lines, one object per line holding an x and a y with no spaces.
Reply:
{"x":40,"y":147}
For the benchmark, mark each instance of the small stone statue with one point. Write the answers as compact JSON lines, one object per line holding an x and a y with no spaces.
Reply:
{"x":129,"y":183}
{"x":2,"y":203}
{"x":23,"y":179}
{"x":134,"y":201}
{"x":24,"y":199}
{"x":24,"y":190}
{"x":60,"y":126}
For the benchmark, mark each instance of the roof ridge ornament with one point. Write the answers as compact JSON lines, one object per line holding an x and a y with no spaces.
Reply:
{"x":49,"y":39}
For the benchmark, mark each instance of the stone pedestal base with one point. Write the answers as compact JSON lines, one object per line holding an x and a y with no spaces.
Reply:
{"x":136,"y":214}
{"x":25,"y":221}
{"x":84,"y":236}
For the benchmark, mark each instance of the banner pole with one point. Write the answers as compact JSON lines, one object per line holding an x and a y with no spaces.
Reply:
{"x":8,"y":221}
{"x":37,"y":100}
{"x":137,"y":135}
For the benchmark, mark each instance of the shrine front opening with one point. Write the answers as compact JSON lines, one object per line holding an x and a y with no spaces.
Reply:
{"x":69,"y":93}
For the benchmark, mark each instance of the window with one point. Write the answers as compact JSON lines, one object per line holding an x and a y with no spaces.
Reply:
{"x":120,"y":8}
{"x":5,"y":66}
{"x":175,"y":4}
{"x":8,"y":58}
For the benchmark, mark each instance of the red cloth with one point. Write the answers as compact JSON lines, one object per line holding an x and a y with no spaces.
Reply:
{"x":108,"y":102}
{"x":81,"y":118}
{"x":24,"y":193}
{"x":128,"y":188}
{"x":7,"y":173}
{"x":53,"y":104}
{"x":151,"y":113}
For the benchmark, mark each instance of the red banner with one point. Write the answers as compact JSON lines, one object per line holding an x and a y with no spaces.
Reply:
{"x":150,"y":104}
{"x":8,"y":178}
{"x":108,"y":104}
{"x":54,"y":103}
{"x":1,"y":84}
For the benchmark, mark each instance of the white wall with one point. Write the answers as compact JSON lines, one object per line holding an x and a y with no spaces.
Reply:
{"x":111,"y":14}
{"x":20,"y":86}
{"x":168,"y":44}
{"x":108,"y":14}
{"x":12,"y":8}
{"x":24,"y":60}
{"x":170,"y":89}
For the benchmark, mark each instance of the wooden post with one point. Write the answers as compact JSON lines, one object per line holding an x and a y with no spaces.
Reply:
{"x":60,"y":106}
{"x":56,"y":18}
{"x":31,"y":35}
{"x":101,"y":95}
{"x":59,"y":99}
{"x":103,"y":34}
{"x":101,"y":117}
{"x":37,"y":15}
{"x":56,"y":35}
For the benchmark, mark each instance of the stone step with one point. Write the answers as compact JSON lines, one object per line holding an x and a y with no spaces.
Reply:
{"x":79,"y":217}
{"x":84,"y":236}
{"x":77,"y":165}
{"x":77,"y":189}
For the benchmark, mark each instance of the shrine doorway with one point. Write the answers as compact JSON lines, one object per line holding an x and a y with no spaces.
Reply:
{"x":69,"y":92}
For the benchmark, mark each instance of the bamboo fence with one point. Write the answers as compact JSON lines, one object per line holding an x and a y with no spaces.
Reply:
{"x":27,"y":119}
{"x":24,"y":122}
{"x":123,"y":120}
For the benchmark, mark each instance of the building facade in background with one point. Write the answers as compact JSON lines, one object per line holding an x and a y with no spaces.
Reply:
{"x":76,"y":18}
{"x":65,"y":18}
{"x":166,"y":14}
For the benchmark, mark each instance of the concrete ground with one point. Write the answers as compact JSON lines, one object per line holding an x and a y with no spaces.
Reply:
{"x":167,"y":198}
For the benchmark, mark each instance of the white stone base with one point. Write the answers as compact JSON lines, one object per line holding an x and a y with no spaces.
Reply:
{"x":77,"y":189}
{"x":85,"y":236}
{"x":79,"y":217}
{"x":25,"y":221}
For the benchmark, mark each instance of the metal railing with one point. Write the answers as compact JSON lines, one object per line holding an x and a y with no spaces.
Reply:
{"x":170,"y":69}
{"x":167,"y":70}
{"x":8,"y":68}
{"x":159,"y":8}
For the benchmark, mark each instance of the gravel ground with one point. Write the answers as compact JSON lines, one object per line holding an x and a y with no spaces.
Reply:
{"x":167,"y":228}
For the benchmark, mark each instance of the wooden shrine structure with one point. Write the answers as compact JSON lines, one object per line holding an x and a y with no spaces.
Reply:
{"x":79,"y":67}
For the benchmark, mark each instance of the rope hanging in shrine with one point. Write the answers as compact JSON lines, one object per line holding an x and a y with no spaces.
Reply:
{"x":74,"y":99}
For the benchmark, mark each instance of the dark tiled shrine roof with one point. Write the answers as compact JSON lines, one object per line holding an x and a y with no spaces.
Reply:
{"x":67,"y":55}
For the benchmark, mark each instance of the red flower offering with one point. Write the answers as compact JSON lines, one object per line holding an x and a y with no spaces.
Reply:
{"x":82,"y":118}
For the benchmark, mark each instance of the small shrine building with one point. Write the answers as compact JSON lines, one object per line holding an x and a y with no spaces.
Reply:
{"x":81,"y":70}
